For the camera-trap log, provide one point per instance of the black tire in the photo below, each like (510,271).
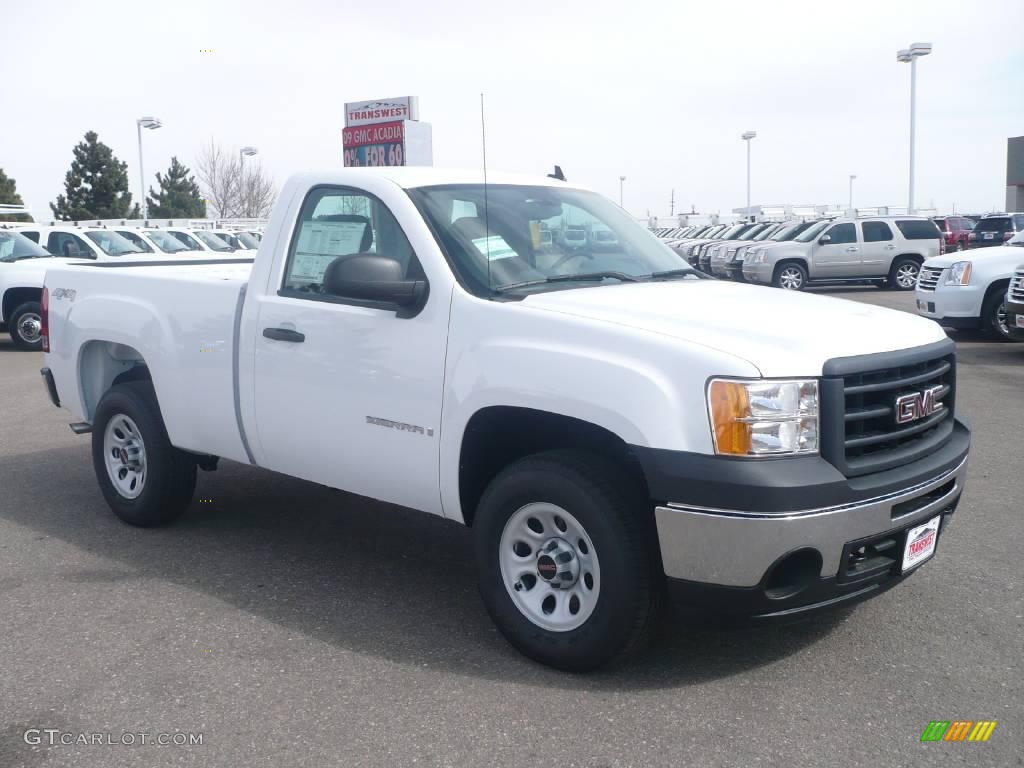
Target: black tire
(170,474)
(995,304)
(620,523)
(25,317)
(790,275)
(900,268)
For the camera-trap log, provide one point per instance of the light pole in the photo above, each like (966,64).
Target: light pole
(243,153)
(622,180)
(747,136)
(152,123)
(911,55)
(852,177)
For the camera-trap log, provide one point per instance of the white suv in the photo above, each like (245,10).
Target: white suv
(880,249)
(970,292)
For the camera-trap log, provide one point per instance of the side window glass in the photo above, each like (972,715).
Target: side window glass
(842,233)
(33,236)
(876,232)
(66,244)
(339,223)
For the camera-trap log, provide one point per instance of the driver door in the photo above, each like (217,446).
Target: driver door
(840,256)
(347,391)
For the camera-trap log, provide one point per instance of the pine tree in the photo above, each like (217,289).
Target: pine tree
(9,196)
(96,187)
(179,195)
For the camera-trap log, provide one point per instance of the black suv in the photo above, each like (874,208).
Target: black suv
(996,229)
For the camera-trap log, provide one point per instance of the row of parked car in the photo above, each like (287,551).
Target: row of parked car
(899,252)
(25,247)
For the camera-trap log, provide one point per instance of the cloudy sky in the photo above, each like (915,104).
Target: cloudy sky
(658,92)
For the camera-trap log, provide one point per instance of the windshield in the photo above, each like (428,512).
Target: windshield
(504,247)
(137,240)
(765,233)
(213,242)
(247,240)
(14,246)
(166,242)
(811,232)
(112,243)
(751,233)
(731,232)
(788,232)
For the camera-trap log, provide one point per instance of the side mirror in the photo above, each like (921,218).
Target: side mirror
(824,239)
(370,277)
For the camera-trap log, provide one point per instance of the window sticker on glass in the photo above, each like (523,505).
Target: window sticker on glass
(320,242)
(494,247)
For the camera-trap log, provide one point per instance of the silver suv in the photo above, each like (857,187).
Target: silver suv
(878,249)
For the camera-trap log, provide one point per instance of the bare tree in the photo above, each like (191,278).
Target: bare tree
(218,172)
(257,193)
(231,190)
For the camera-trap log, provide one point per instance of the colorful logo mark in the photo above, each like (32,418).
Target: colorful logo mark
(958,730)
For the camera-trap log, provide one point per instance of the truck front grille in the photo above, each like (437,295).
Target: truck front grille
(1017,287)
(860,410)
(928,278)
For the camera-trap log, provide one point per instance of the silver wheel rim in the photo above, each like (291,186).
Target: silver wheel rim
(906,275)
(30,327)
(1004,328)
(125,456)
(549,567)
(791,279)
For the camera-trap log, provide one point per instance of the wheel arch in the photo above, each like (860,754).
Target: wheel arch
(15,297)
(101,365)
(498,435)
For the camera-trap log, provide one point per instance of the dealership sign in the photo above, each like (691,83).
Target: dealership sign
(385,132)
(381,110)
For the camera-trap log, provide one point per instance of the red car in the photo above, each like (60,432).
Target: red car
(956,231)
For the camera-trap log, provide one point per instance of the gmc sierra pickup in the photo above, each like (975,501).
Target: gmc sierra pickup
(608,420)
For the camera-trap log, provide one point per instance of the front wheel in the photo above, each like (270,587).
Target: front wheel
(568,560)
(903,275)
(26,326)
(993,316)
(791,277)
(145,480)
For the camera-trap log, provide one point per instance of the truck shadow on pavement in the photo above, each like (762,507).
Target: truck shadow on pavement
(344,570)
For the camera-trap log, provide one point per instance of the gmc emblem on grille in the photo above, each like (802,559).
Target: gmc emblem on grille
(918,405)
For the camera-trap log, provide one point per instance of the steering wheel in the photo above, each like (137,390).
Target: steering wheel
(570,256)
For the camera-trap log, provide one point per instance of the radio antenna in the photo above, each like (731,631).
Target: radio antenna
(487,222)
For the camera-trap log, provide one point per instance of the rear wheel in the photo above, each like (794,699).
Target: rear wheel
(791,276)
(26,326)
(568,561)
(145,480)
(903,275)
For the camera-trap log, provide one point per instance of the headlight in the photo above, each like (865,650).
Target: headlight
(763,417)
(959,273)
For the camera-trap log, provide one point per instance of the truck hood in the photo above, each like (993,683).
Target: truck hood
(782,333)
(1013,255)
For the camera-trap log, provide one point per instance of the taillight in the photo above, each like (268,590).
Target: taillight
(1007,235)
(942,245)
(44,319)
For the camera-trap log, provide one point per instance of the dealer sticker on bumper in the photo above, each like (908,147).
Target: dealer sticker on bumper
(1020,321)
(920,543)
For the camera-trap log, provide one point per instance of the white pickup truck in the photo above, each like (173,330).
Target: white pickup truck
(609,421)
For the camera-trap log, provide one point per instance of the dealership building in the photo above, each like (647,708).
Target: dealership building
(1015,174)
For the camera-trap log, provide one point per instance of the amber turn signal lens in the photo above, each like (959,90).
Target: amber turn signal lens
(729,404)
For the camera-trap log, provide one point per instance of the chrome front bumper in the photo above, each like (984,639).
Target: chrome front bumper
(735,548)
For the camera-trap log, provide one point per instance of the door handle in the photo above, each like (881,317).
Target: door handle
(851,249)
(284,334)
(890,247)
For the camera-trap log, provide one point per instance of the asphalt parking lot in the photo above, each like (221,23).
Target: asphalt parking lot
(293,625)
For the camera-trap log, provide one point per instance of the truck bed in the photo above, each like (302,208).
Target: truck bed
(180,318)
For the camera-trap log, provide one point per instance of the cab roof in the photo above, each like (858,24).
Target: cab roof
(410,177)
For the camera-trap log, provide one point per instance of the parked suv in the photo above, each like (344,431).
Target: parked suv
(879,249)
(956,231)
(784,233)
(960,292)
(996,229)
(1015,306)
